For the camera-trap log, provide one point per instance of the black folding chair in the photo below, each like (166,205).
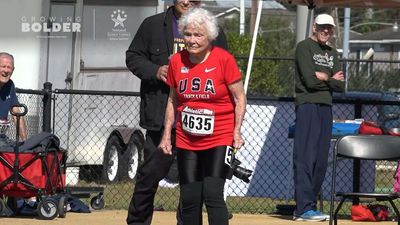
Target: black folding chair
(364,147)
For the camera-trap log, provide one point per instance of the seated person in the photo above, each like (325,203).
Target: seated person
(8,98)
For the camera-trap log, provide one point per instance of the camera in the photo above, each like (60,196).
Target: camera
(241,172)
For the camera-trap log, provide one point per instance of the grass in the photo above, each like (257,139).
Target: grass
(118,195)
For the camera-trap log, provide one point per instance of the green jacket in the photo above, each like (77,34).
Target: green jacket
(311,57)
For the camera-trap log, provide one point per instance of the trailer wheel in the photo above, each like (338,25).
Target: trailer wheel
(133,157)
(112,164)
(47,209)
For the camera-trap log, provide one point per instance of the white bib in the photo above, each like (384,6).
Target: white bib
(198,122)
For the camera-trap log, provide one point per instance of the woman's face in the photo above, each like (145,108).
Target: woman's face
(196,39)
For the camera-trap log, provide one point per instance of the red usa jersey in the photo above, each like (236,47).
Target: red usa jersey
(205,107)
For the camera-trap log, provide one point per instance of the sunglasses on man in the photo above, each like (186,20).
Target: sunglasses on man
(190,2)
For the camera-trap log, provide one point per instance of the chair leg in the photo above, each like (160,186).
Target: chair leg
(395,210)
(331,208)
(335,215)
(330,219)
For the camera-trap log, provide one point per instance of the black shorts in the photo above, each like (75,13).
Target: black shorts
(196,165)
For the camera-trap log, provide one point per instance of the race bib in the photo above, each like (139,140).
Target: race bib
(229,156)
(198,122)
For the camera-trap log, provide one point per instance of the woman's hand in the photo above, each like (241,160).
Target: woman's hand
(238,141)
(165,145)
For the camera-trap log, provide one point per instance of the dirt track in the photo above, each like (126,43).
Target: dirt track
(114,217)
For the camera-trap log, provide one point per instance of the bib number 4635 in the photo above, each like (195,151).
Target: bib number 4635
(197,122)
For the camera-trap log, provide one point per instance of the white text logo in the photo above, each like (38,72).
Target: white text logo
(118,16)
(50,24)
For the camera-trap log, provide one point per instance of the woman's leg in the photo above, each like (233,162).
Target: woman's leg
(215,171)
(190,187)
(191,196)
(202,177)
(213,192)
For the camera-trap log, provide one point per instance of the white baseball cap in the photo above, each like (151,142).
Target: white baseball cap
(324,19)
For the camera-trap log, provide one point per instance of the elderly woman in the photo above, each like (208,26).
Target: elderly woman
(208,100)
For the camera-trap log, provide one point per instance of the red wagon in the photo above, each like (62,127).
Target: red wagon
(35,169)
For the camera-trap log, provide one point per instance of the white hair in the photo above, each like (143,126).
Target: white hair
(199,17)
(7,55)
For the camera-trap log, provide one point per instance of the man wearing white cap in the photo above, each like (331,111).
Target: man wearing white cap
(318,74)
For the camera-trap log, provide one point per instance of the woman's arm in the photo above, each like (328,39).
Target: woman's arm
(165,143)
(239,97)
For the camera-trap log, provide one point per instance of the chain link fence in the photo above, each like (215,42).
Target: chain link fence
(101,132)
(373,75)
(33,99)
(271,76)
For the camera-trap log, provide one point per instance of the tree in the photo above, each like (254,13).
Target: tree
(369,17)
(276,39)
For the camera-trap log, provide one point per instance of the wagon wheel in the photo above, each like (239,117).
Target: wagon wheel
(97,202)
(2,206)
(48,209)
(62,207)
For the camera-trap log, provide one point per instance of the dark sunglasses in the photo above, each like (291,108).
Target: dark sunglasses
(325,27)
(191,2)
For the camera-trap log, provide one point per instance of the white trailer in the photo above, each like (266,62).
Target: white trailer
(80,45)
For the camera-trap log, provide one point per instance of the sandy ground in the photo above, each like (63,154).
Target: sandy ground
(117,217)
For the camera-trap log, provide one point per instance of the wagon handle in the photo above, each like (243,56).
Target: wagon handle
(21,113)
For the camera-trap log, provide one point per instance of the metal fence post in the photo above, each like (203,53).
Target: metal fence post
(47,107)
(356,162)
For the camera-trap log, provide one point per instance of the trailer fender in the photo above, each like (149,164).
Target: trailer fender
(123,133)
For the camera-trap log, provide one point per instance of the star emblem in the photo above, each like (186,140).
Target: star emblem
(118,19)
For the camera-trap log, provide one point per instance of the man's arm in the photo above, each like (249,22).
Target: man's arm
(337,81)
(309,76)
(138,57)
